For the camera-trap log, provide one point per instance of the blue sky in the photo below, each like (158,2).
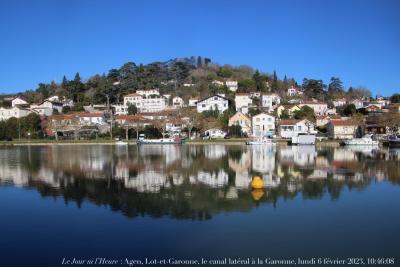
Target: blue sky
(358,41)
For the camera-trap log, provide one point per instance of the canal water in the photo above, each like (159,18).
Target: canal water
(69,203)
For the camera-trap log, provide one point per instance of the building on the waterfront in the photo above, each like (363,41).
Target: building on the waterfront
(263,125)
(242,120)
(341,129)
(292,128)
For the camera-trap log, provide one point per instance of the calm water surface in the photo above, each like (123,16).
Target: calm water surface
(194,201)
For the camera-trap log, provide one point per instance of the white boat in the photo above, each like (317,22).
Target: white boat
(261,141)
(366,140)
(142,140)
(121,143)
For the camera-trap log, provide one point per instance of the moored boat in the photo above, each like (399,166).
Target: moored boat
(142,140)
(394,141)
(366,140)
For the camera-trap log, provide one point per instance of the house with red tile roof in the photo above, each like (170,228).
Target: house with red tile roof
(341,129)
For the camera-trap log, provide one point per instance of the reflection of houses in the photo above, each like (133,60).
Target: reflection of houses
(241,164)
(214,179)
(242,180)
(299,155)
(148,181)
(271,181)
(214,151)
(318,174)
(263,158)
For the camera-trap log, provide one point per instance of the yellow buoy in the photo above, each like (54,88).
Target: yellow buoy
(257,194)
(257,182)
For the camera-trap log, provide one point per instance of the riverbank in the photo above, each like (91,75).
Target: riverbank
(232,141)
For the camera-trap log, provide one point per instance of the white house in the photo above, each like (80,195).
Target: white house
(215,102)
(18,101)
(91,118)
(292,128)
(339,102)
(63,100)
(147,93)
(17,112)
(263,125)
(149,104)
(242,102)
(215,133)
(242,120)
(193,101)
(47,107)
(319,107)
(177,102)
(42,110)
(293,91)
(232,85)
(270,101)
(217,83)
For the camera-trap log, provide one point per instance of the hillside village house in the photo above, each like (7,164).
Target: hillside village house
(177,102)
(292,128)
(152,103)
(193,101)
(241,120)
(149,92)
(17,112)
(270,101)
(63,100)
(293,91)
(359,103)
(215,102)
(232,85)
(341,129)
(319,107)
(263,125)
(91,118)
(339,102)
(290,109)
(217,83)
(47,107)
(242,102)
(18,101)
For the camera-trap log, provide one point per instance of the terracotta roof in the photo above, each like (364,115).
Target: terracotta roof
(342,123)
(132,118)
(97,114)
(289,122)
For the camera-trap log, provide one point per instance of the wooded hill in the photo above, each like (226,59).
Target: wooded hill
(172,75)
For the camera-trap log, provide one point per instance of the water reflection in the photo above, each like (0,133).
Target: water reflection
(193,181)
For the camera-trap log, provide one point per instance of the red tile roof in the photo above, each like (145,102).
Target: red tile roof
(342,123)
(289,122)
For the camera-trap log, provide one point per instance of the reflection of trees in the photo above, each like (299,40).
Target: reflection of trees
(108,175)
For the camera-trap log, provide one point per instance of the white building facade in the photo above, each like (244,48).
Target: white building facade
(215,102)
(263,125)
